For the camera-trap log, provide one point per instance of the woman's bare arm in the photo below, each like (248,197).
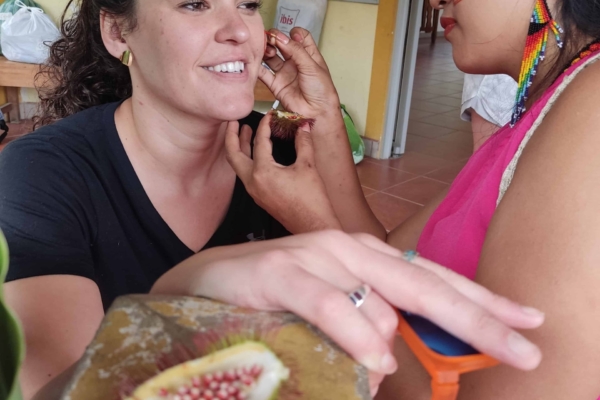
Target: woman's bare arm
(542,249)
(60,315)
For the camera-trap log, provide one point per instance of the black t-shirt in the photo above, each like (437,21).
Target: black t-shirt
(71,203)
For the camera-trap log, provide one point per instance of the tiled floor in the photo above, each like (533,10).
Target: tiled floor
(437,147)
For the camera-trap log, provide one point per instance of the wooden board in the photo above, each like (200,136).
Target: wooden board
(14,74)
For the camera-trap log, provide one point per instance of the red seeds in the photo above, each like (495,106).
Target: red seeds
(242,396)
(219,376)
(196,382)
(208,395)
(207,379)
(195,393)
(186,397)
(232,390)
(247,380)
(183,390)
(256,370)
(214,385)
(222,395)
(163,392)
(230,376)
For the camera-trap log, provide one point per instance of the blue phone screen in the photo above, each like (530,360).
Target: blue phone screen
(436,338)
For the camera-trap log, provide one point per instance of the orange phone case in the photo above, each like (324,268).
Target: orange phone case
(444,371)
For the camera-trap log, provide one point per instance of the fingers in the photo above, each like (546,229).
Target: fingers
(504,309)
(245,138)
(330,310)
(328,268)
(304,148)
(304,37)
(294,50)
(239,161)
(507,311)
(275,63)
(263,147)
(420,291)
(376,244)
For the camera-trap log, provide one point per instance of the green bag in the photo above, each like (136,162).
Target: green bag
(9,8)
(12,344)
(356,142)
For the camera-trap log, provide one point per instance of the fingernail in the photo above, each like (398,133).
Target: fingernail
(385,365)
(388,364)
(534,312)
(282,38)
(521,346)
(374,390)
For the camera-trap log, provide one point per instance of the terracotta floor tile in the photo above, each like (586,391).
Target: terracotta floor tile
(447,151)
(415,163)
(419,190)
(444,76)
(418,95)
(416,143)
(379,177)
(367,191)
(447,101)
(449,122)
(426,130)
(458,137)
(437,90)
(447,174)
(390,210)
(417,115)
(427,106)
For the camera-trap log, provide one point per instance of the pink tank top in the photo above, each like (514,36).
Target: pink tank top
(455,233)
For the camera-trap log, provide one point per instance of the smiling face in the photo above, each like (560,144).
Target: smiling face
(487,36)
(198,57)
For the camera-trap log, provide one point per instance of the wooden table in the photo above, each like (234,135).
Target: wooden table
(14,75)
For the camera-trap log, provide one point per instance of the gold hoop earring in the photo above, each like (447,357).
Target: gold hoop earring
(127,58)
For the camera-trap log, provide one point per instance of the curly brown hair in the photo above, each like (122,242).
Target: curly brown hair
(80,73)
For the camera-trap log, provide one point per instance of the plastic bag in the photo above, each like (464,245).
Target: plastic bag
(10,8)
(356,143)
(307,14)
(27,35)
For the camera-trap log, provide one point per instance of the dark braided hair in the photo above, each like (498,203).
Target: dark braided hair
(80,72)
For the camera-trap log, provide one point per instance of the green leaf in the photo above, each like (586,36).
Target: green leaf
(12,344)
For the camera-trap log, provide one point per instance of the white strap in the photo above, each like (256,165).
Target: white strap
(509,173)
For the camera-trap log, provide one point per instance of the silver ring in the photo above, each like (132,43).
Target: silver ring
(359,295)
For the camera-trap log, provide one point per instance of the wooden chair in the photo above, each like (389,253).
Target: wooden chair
(429,20)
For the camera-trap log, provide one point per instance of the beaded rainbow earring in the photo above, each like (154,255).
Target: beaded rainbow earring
(535,51)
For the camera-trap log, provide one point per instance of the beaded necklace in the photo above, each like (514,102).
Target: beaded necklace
(587,50)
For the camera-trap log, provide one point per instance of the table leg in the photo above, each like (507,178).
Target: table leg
(12,96)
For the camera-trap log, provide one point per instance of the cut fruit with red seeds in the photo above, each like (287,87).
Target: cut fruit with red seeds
(248,371)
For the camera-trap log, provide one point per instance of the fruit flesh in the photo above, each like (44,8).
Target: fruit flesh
(249,371)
